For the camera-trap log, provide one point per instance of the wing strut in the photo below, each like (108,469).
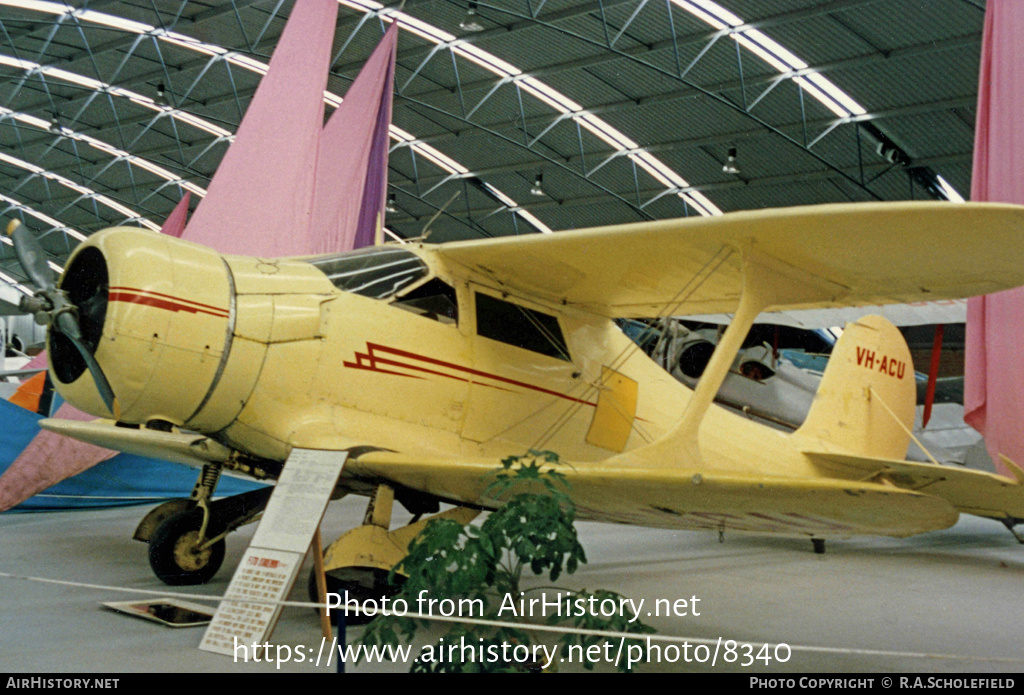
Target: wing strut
(754,297)
(766,282)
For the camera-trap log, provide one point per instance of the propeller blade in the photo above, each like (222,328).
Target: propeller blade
(32,256)
(68,325)
(19,373)
(54,304)
(10,309)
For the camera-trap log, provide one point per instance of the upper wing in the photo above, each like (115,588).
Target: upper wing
(916,314)
(841,255)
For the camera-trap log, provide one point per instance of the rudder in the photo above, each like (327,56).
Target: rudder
(866,402)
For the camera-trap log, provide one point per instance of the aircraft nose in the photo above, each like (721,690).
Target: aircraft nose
(154,318)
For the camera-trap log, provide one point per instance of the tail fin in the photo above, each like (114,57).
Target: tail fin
(868,389)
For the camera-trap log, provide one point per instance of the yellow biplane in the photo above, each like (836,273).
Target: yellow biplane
(428,364)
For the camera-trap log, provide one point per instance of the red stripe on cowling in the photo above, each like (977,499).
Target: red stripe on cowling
(172,298)
(166,304)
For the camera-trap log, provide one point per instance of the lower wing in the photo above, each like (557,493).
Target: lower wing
(664,498)
(656,497)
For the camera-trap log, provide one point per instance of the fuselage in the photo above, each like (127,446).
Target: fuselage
(391,349)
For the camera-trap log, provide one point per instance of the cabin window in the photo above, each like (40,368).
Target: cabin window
(434,300)
(377,272)
(524,328)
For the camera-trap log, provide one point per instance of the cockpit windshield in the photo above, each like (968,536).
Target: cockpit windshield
(372,272)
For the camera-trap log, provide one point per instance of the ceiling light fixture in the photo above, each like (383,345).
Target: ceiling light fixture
(161,96)
(730,166)
(390,207)
(471,22)
(538,186)
(462,49)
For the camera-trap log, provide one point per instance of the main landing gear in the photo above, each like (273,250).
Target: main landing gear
(360,561)
(180,551)
(186,536)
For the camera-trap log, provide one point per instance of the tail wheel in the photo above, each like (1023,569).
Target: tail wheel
(176,551)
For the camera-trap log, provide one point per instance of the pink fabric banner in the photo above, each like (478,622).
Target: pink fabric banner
(40,361)
(174,225)
(259,200)
(351,172)
(47,460)
(994,381)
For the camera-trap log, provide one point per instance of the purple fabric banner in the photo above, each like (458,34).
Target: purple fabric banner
(351,172)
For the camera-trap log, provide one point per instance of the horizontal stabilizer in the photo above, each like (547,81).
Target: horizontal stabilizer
(969,491)
(688,499)
(179,447)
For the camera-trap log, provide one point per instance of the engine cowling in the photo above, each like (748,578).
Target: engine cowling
(157,314)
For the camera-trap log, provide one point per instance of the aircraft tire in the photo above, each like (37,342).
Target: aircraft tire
(173,554)
(363,584)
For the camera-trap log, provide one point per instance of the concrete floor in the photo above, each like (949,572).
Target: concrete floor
(942,602)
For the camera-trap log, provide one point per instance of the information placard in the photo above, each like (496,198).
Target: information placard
(274,557)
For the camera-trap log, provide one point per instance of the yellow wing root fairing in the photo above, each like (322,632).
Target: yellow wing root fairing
(179,447)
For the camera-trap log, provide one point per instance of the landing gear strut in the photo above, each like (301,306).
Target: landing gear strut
(181,551)
(186,536)
(1010,525)
(360,562)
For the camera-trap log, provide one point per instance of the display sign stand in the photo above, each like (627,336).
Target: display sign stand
(267,572)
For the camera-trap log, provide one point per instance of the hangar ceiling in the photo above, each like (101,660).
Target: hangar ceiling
(621,110)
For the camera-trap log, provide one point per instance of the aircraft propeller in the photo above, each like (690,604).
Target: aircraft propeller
(51,306)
